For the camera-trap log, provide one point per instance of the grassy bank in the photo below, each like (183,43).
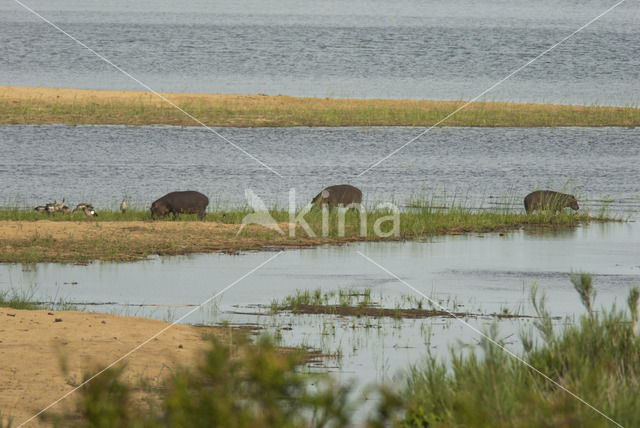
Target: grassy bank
(28,105)
(29,237)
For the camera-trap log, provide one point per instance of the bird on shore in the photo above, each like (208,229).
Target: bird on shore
(89,212)
(59,207)
(123,206)
(51,208)
(82,205)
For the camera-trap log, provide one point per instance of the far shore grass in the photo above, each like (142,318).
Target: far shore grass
(32,105)
(29,237)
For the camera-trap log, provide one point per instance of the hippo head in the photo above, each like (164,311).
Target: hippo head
(158,209)
(321,198)
(572,203)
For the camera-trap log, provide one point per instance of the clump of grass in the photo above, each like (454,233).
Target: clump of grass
(582,283)
(305,299)
(597,359)
(23,298)
(18,299)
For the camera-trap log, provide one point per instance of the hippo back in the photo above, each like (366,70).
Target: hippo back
(341,194)
(548,200)
(187,202)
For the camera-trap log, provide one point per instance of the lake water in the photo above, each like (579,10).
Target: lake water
(478,166)
(366,48)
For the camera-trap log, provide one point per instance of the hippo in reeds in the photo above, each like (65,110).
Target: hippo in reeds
(548,200)
(187,202)
(341,194)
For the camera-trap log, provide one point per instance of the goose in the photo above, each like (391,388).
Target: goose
(59,207)
(89,212)
(82,205)
(63,208)
(123,206)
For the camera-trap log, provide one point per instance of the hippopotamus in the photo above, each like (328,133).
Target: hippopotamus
(543,200)
(187,202)
(341,194)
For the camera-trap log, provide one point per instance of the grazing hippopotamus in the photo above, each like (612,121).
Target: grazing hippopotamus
(188,202)
(341,194)
(547,200)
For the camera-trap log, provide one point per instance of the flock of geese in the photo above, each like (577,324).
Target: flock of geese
(85,207)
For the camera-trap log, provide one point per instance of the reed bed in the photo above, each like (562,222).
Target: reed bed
(28,105)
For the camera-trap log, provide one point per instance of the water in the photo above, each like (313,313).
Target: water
(366,48)
(101,163)
(480,274)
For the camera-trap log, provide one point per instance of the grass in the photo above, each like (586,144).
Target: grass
(26,105)
(114,236)
(359,303)
(18,299)
(22,298)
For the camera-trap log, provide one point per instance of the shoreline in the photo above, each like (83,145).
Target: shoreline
(85,241)
(34,105)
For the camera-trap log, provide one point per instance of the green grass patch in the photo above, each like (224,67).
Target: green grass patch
(23,298)
(18,299)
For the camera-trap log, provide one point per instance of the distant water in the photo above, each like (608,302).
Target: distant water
(446,49)
(488,166)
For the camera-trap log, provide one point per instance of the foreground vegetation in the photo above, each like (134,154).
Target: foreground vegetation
(245,384)
(26,105)
(30,237)
(598,359)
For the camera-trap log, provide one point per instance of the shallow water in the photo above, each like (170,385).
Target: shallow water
(480,274)
(366,48)
(472,166)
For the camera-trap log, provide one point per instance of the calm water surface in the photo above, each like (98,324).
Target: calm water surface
(101,163)
(365,48)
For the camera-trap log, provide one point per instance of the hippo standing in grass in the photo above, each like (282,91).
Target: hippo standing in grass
(188,202)
(547,200)
(341,194)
